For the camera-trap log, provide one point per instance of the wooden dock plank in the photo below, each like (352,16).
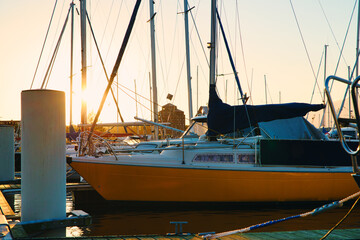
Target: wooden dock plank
(303,234)
(5,207)
(288,235)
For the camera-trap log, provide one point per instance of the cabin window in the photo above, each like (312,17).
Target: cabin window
(214,158)
(146,146)
(246,158)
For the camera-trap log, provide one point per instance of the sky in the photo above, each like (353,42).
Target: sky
(279,41)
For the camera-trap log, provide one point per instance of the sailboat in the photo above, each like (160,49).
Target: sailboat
(280,156)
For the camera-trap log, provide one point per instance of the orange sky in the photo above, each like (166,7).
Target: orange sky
(271,42)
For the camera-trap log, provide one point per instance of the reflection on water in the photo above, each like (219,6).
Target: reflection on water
(111,218)
(114,218)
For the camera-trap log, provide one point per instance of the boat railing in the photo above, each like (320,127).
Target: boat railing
(354,85)
(236,142)
(96,141)
(250,134)
(169,148)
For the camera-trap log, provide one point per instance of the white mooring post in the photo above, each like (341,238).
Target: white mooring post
(7,153)
(43,166)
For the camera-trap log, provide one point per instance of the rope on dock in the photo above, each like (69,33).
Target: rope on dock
(336,225)
(310,213)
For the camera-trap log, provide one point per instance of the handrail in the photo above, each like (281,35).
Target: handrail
(179,147)
(94,136)
(353,85)
(252,135)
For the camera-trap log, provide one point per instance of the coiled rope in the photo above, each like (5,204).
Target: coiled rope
(310,213)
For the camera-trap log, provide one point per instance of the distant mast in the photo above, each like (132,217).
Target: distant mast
(186,10)
(83,60)
(153,67)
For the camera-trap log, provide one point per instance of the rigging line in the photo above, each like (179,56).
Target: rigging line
(268,90)
(230,57)
(42,49)
(173,48)
(55,51)
(161,57)
(346,34)
(121,89)
(161,65)
(113,33)
(106,24)
(242,51)
(337,65)
(337,224)
(116,67)
(348,86)
(107,20)
(104,68)
(307,53)
(332,32)
(177,84)
(317,75)
(163,34)
(119,85)
(150,110)
(56,31)
(198,34)
(52,66)
(201,68)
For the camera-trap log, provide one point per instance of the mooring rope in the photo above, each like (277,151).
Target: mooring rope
(310,213)
(337,224)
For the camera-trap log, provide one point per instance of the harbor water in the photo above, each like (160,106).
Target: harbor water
(123,218)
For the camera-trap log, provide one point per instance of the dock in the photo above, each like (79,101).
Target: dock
(5,208)
(19,231)
(288,235)
(15,187)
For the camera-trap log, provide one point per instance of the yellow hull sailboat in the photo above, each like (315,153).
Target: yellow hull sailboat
(273,155)
(195,183)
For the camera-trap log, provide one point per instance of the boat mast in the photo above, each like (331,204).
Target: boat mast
(153,67)
(212,44)
(186,11)
(325,63)
(265,90)
(83,60)
(71,61)
(357,42)
(357,49)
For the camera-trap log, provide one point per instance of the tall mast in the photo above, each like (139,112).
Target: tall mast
(83,60)
(357,41)
(153,66)
(212,44)
(186,11)
(323,118)
(71,61)
(325,63)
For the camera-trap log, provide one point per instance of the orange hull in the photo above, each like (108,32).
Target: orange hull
(139,183)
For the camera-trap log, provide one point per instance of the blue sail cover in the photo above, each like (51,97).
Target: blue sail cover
(223,118)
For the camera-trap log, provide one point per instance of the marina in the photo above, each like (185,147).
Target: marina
(119,220)
(231,169)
